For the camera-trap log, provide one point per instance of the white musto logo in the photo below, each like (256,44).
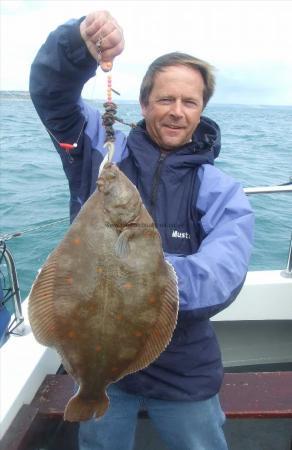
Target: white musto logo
(177,234)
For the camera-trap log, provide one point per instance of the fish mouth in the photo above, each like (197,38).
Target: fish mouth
(109,173)
(109,165)
(100,183)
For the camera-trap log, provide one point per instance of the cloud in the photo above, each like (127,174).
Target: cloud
(258,83)
(248,41)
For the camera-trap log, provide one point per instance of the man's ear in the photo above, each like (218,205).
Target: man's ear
(143,109)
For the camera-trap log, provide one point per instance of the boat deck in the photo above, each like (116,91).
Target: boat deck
(240,435)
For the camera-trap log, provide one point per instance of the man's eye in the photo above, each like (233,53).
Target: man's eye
(191,103)
(164,101)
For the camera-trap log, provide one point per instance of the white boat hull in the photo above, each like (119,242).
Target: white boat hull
(256,329)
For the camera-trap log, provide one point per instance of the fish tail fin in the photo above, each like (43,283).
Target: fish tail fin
(79,409)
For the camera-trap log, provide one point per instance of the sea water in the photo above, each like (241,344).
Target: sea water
(256,150)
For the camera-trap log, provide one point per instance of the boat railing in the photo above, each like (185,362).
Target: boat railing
(269,189)
(12,292)
(282,188)
(288,271)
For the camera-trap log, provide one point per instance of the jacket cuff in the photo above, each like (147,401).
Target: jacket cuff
(77,49)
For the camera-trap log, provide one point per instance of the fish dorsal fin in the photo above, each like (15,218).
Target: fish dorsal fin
(164,327)
(41,304)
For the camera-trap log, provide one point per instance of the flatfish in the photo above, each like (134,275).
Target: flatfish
(105,298)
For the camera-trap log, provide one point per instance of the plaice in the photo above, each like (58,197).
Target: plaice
(105,298)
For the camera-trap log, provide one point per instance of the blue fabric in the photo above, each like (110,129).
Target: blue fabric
(4,322)
(203,216)
(181,425)
(190,368)
(4,316)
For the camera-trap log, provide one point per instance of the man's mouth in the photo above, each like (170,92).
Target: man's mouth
(173,127)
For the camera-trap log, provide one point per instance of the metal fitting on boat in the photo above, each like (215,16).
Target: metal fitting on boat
(13,292)
(287,273)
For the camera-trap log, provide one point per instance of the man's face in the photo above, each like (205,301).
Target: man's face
(175,106)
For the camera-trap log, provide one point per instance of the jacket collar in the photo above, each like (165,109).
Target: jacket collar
(203,149)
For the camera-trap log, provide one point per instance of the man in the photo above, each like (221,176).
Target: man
(203,216)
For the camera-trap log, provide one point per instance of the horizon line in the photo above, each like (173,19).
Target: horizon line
(21,92)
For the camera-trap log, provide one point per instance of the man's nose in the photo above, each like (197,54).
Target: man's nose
(177,109)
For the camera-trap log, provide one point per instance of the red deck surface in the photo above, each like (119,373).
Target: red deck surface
(243,395)
(260,394)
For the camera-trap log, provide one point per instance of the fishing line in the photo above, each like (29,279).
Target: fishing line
(108,118)
(65,145)
(7,237)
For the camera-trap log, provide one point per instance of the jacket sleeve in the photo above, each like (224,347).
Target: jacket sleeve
(58,73)
(60,69)
(210,279)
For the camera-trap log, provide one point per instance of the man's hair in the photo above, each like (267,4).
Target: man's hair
(178,59)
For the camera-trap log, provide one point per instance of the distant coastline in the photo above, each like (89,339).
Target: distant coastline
(15,94)
(25,95)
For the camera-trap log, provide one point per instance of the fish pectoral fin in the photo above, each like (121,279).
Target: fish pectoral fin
(132,230)
(122,243)
(79,409)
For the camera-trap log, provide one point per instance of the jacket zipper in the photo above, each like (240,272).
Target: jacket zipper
(155,184)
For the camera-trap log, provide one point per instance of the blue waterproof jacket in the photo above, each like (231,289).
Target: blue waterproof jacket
(204,218)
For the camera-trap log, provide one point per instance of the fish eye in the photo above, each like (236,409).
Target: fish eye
(111,175)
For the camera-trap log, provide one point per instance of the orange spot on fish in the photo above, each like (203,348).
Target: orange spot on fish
(119,317)
(127,285)
(76,241)
(138,334)
(92,307)
(71,334)
(69,280)
(99,269)
(97,348)
(114,369)
(152,300)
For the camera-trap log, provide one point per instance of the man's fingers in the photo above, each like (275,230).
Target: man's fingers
(109,40)
(104,34)
(94,28)
(103,37)
(95,21)
(106,58)
(109,53)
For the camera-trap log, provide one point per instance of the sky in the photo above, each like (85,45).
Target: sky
(248,41)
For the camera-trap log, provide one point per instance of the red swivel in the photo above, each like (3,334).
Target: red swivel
(66,146)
